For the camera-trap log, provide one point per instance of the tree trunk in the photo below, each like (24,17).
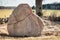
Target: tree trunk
(39,7)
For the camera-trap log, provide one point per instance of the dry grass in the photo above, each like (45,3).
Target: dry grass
(31,38)
(49,12)
(5,12)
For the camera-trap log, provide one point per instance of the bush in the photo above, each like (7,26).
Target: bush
(58,18)
(33,7)
(3,20)
(53,17)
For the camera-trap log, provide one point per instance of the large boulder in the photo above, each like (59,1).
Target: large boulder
(22,22)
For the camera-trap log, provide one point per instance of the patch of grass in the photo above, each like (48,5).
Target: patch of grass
(5,12)
(50,12)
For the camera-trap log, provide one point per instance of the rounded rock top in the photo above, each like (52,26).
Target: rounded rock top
(22,22)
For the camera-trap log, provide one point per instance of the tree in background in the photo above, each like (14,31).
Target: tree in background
(33,7)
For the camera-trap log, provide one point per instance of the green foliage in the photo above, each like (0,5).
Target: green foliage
(33,7)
